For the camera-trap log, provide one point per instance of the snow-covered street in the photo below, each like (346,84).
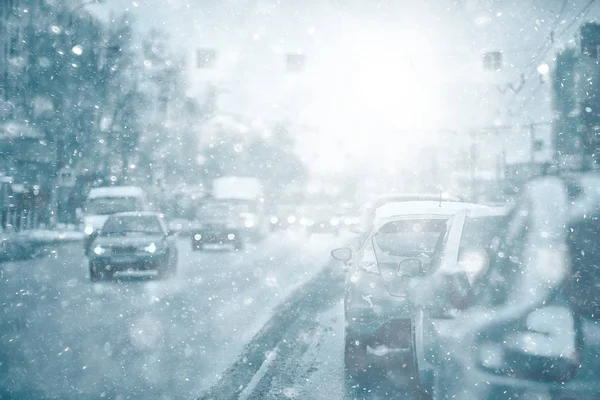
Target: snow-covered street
(64,337)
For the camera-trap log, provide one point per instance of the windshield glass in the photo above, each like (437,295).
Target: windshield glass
(132,224)
(111,205)
(408,238)
(479,233)
(272,139)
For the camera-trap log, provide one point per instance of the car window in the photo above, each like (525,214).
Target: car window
(408,238)
(132,224)
(111,205)
(479,232)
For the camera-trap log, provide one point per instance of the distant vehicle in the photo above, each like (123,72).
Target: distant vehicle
(217,223)
(285,216)
(245,197)
(325,220)
(391,266)
(104,201)
(133,241)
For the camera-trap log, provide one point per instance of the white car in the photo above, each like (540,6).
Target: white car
(104,201)
(389,273)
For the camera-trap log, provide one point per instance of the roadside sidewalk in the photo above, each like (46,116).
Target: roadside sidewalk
(31,243)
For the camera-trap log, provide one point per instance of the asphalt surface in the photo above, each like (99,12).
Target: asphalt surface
(263,323)
(139,337)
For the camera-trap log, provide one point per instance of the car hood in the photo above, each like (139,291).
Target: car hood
(95,221)
(128,240)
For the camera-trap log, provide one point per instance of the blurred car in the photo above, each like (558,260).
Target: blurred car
(387,274)
(133,241)
(284,216)
(217,224)
(322,219)
(104,201)
(531,330)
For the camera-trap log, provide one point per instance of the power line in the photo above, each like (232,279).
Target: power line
(582,13)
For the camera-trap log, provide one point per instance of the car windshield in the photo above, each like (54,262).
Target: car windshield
(406,238)
(479,232)
(192,195)
(111,205)
(146,224)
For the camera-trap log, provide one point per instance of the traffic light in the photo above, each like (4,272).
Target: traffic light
(492,61)
(206,58)
(294,62)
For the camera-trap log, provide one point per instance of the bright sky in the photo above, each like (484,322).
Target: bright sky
(372,67)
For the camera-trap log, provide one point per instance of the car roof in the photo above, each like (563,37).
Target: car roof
(401,197)
(138,214)
(492,211)
(115,191)
(408,208)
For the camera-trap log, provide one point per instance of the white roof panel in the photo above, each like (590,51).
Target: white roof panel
(408,208)
(116,191)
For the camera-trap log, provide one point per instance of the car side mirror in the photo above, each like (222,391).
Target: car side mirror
(411,267)
(343,254)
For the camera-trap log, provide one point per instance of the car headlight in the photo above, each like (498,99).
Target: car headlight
(291,219)
(334,221)
(88,230)
(274,220)
(99,250)
(249,223)
(153,248)
(306,222)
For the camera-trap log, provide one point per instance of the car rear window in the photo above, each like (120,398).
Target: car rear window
(480,231)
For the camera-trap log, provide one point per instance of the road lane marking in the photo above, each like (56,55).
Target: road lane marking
(245,394)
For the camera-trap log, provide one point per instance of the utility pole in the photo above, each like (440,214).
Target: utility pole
(473,165)
(532,148)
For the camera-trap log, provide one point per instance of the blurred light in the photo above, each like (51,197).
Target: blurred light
(231,236)
(113,178)
(98,250)
(543,69)
(77,50)
(197,236)
(88,230)
(334,221)
(151,248)
(249,223)
(291,219)
(274,220)
(55,29)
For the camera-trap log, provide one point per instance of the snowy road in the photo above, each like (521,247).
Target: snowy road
(64,337)
(299,354)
